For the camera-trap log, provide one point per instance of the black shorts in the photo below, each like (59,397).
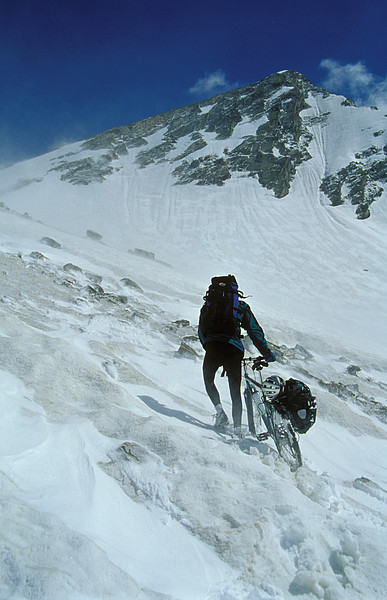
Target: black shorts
(223,354)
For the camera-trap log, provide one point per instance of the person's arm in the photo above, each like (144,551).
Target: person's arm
(256,334)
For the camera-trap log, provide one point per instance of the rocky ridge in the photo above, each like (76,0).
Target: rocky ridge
(272,154)
(360,181)
(260,132)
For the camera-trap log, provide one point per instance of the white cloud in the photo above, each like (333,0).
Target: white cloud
(211,83)
(355,81)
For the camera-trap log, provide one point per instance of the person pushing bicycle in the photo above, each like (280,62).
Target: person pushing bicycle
(221,318)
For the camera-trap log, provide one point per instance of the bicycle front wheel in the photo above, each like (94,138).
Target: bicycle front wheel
(286,442)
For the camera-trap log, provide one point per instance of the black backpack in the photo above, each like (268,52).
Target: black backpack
(300,404)
(219,313)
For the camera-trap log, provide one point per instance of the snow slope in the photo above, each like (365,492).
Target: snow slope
(303,260)
(113,482)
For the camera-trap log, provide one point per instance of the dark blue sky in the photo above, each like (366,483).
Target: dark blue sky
(73,69)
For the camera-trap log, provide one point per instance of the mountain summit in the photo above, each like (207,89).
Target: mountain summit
(266,131)
(259,131)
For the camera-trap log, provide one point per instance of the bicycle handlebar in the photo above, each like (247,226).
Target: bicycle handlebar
(258,363)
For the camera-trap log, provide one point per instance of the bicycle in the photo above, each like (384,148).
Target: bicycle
(274,417)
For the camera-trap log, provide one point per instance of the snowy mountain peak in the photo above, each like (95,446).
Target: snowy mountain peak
(265,131)
(255,131)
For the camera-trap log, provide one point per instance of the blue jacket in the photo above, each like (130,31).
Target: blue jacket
(248,322)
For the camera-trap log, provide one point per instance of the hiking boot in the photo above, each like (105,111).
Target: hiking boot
(221,419)
(238,433)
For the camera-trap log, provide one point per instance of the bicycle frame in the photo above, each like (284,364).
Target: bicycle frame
(252,387)
(277,426)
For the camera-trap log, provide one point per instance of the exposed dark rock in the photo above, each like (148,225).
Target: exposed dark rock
(378,170)
(223,118)
(316,120)
(156,153)
(371,488)
(38,256)
(207,170)
(129,283)
(353,370)
(363,211)
(144,253)
(86,170)
(361,179)
(116,298)
(191,339)
(352,393)
(93,277)
(331,186)
(130,451)
(72,268)
(368,152)
(24,182)
(50,242)
(183,333)
(93,235)
(117,140)
(94,290)
(186,351)
(196,145)
(68,283)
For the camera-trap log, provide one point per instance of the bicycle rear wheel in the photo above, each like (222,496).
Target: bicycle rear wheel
(286,443)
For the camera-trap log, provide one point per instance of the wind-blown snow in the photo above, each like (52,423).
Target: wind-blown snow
(113,481)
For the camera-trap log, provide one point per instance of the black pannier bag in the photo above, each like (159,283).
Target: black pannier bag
(300,404)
